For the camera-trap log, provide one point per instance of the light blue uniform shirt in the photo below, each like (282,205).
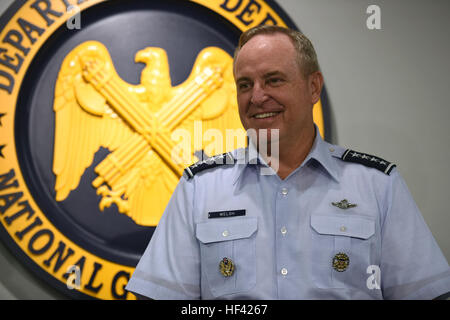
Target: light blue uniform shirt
(284,245)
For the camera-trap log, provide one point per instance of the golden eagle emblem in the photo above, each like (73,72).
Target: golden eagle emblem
(95,108)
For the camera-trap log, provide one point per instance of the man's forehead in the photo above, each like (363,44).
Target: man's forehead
(267,74)
(271,53)
(269,41)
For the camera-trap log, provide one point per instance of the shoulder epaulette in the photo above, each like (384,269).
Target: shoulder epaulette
(368,160)
(211,162)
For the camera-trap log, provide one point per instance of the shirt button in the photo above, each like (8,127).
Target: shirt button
(283,230)
(284,191)
(225,233)
(284,271)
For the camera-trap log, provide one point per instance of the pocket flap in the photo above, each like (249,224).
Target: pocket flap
(226,229)
(351,226)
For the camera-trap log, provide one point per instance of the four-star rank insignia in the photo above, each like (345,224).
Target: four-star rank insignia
(368,160)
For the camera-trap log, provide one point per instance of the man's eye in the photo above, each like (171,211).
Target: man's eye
(274,80)
(243,86)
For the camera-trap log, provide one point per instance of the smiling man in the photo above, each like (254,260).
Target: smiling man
(328,223)
(274,91)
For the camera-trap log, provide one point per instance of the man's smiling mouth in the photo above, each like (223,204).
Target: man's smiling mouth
(265,115)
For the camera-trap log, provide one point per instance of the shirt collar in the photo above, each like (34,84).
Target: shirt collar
(321,151)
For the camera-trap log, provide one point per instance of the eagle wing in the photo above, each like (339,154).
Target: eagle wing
(84,121)
(220,111)
(217,111)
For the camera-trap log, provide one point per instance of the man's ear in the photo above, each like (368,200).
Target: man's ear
(315,85)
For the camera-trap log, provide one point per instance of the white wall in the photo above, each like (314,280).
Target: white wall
(389,93)
(389,89)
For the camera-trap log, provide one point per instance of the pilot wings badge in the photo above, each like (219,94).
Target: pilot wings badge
(95,108)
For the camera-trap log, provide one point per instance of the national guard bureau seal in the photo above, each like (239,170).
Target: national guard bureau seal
(341,262)
(88,160)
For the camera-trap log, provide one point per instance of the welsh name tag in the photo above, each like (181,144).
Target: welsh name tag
(226,214)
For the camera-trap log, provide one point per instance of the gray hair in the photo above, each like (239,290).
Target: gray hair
(306,55)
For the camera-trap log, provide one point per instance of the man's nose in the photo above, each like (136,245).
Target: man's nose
(259,95)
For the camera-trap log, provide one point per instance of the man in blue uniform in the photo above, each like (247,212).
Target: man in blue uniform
(329,223)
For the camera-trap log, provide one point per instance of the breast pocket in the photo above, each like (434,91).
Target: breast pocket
(233,239)
(341,250)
